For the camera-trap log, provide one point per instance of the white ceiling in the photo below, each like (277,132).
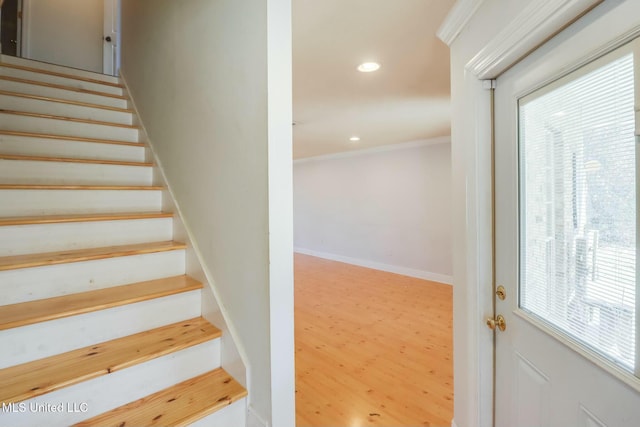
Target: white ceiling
(408,99)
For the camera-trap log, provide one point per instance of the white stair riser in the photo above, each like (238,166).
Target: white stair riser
(13,171)
(44,339)
(232,415)
(110,391)
(56,80)
(57,68)
(29,284)
(40,238)
(55,173)
(66,128)
(59,202)
(31,89)
(28,146)
(30,105)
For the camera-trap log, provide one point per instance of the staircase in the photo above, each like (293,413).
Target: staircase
(99,324)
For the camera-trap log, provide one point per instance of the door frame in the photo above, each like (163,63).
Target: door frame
(25,47)
(20,26)
(111,50)
(474,284)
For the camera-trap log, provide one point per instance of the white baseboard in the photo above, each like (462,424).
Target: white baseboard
(453,423)
(419,274)
(255,420)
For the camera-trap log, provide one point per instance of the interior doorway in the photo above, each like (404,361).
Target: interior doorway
(11,27)
(83,34)
(372,211)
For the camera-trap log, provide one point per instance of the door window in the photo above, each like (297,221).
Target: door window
(577,233)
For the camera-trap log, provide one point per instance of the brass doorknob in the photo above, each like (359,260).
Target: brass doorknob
(498,322)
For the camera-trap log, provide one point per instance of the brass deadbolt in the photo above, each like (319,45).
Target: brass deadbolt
(498,322)
(501,293)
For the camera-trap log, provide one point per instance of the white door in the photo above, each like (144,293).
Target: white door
(566,224)
(111,40)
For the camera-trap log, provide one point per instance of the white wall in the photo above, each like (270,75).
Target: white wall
(65,32)
(212,83)
(389,210)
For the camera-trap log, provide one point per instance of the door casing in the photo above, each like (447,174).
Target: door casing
(473,304)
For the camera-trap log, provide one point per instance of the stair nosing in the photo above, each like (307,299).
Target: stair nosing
(61,75)
(171,392)
(100,300)
(62,87)
(68,119)
(70,138)
(96,73)
(17,262)
(25,158)
(205,336)
(66,101)
(61,219)
(80,187)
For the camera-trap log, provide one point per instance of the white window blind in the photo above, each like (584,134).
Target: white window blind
(578,207)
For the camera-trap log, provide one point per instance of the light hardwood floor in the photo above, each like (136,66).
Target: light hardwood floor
(372,348)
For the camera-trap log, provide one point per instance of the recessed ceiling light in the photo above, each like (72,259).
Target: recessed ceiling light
(354,139)
(368,67)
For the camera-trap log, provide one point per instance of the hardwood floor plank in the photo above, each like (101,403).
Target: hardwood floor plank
(78,187)
(56,74)
(27,313)
(56,86)
(42,376)
(78,255)
(58,219)
(65,101)
(67,119)
(16,157)
(69,138)
(175,406)
(372,348)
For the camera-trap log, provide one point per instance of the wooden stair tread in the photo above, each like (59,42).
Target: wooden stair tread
(179,405)
(78,255)
(67,119)
(57,219)
(65,101)
(72,160)
(78,187)
(69,138)
(30,312)
(56,86)
(63,75)
(36,378)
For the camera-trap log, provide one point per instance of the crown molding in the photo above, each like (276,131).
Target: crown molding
(378,149)
(536,23)
(458,16)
